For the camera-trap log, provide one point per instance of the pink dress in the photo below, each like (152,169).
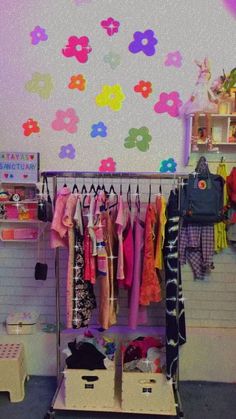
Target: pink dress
(128,246)
(119,228)
(137,313)
(58,229)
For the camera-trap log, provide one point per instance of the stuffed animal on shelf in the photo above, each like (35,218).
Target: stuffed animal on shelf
(202,100)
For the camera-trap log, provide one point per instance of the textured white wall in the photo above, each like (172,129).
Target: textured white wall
(194,28)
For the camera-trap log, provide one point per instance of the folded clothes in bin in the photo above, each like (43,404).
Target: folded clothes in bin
(144,354)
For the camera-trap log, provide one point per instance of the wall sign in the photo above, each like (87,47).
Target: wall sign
(19,167)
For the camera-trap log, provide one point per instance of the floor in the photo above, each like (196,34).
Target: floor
(201,400)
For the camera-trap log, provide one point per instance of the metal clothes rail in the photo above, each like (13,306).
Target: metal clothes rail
(55,175)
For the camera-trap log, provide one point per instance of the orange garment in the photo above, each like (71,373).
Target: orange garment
(161,222)
(150,290)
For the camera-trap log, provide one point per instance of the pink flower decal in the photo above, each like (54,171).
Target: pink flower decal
(66,120)
(107,165)
(231,6)
(78,48)
(168,102)
(111,26)
(173,59)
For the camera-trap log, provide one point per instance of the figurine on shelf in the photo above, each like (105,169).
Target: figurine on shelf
(202,100)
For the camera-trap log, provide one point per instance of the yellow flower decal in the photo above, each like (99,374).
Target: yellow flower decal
(111,96)
(41,84)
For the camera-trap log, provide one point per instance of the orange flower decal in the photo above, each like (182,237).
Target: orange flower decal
(30,127)
(143,87)
(77,82)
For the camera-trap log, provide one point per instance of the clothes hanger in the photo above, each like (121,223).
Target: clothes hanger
(129,202)
(75,189)
(150,193)
(137,199)
(65,185)
(121,184)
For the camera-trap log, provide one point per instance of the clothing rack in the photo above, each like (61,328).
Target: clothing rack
(55,175)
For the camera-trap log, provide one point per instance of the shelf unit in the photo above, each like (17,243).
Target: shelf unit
(58,402)
(222,125)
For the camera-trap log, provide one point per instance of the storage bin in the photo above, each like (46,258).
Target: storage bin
(25,234)
(147,392)
(89,389)
(21,323)
(7,234)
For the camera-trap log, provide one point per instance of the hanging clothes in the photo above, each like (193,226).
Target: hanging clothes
(58,229)
(119,228)
(150,290)
(137,313)
(161,221)
(83,296)
(197,248)
(220,236)
(175,315)
(128,250)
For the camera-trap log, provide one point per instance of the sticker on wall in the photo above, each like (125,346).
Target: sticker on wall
(20,166)
(107,165)
(110,25)
(143,42)
(66,120)
(230,5)
(38,35)
(78,48)
(111,96)
(143,87)
(169,103)
(67,152)
(78,82)
(138,137)
(41,84)
(30,127)
(168,165)
(173,59)
(98,130)
(112,59)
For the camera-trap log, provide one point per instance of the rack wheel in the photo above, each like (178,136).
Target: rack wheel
(50,415)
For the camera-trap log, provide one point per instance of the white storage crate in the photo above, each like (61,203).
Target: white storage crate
(22,323)
(89,389)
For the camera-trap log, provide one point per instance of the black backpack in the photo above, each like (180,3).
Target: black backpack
(202,198)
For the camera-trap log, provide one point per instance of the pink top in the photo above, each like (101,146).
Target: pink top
(58,229)
(128,247)
(119,229)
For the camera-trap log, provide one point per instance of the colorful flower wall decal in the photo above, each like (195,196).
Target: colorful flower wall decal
(77,82)
(143,87)
(78,48)
(67,151)
(30,127)
(111,96)
(231,6)
(41,84)
(169,103)
(143,42)
(99,130)
(173,59)
(138,137)
(66,120)
(113,59)
(168,165)
(110,25)
(107,165)
(37,35)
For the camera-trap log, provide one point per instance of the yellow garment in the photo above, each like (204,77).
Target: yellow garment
(161,214)
(220,228)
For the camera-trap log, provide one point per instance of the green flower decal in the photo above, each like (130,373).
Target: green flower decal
(41,84)
(138,137)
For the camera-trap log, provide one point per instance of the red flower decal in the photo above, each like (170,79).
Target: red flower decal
(143,87)
(30,127)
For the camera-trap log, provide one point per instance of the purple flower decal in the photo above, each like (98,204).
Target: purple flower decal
(143,41)
(99,130)
(66,120)
(67,151)
(173,59)
(111,25)
(37,35)
(168,102)
(78,48)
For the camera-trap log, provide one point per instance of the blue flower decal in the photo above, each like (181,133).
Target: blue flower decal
(168,165)
(99,130)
